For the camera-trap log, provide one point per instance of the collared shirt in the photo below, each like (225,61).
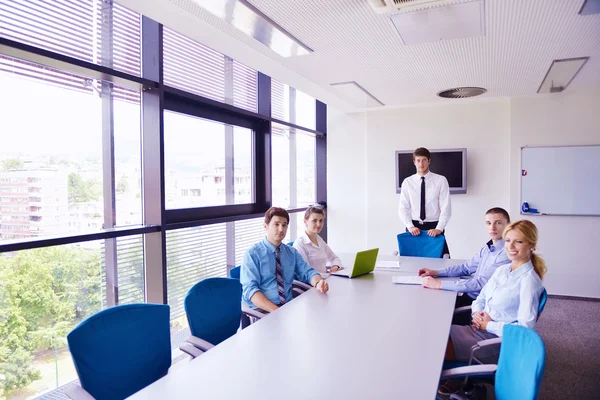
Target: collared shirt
(258,271)
(437,200)
(511,297)
(483,264)
(316,255)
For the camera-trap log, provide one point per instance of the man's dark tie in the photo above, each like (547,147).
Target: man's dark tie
(422,216)
(279,277)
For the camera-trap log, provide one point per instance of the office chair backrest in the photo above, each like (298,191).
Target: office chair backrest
(543,299)
(421,245)
(122,349)
(290,243)
(521,364)
(235,272)
(214,308)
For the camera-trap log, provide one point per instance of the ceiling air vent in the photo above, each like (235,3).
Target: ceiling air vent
(393,6)
(462,92)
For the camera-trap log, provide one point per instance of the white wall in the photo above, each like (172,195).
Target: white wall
(569,244)
(363,204)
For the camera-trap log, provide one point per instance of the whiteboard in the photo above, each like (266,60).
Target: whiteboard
(561,180)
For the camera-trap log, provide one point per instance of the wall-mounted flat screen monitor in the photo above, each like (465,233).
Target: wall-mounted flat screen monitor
(452,163)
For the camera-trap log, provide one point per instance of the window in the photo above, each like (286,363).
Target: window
(195,68)
(294,162)
(46,292)
(293,106)
(56,161)
(210,160)
(192,254)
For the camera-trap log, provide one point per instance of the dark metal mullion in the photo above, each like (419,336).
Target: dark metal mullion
(321,155)
(262,147)
(108,157)
(71,64)
(153,186)
(298,127)
(229,167)
(211,221)
(49,241)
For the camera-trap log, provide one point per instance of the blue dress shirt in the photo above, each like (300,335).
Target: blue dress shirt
(483,264)
(258,271)
(511,297)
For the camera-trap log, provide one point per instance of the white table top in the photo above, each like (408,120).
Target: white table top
(366,338)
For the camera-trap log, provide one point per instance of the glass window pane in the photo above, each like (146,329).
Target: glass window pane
(192,255)
(52,161)
(46,292)
(247,232)
(306,159)
(280,166)
(306,110)
(207,163)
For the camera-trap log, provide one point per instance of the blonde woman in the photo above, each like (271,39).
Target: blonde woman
(511,296)
(312,247)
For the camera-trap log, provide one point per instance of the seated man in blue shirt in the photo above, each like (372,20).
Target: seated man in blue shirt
(481,267)
(269,267)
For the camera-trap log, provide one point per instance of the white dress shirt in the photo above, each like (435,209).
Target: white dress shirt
(437,200)
(510,297)
(317,256)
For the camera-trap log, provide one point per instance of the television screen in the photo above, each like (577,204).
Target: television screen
(452,163)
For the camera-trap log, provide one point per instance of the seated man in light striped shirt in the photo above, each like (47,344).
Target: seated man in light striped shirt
(481,267)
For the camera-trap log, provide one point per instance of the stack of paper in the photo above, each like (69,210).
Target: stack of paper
(387,265)
(407,279)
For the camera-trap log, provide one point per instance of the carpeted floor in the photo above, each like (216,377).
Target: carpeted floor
(571,333)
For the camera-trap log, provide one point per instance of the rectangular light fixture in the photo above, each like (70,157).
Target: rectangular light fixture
(355,94)
(560,74)
(590,7)
(455,21)
(248,19)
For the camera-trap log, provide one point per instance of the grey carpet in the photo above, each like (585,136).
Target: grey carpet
(571,333)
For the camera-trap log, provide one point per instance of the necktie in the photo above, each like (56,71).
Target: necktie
(422,216)
(279,277)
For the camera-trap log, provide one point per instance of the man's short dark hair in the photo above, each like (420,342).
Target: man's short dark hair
(422,152)
(276,212)
(499,210)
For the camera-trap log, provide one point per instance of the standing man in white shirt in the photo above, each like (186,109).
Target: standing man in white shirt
(425,199)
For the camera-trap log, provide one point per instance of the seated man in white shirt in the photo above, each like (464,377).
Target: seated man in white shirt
(425,199)
(312,247)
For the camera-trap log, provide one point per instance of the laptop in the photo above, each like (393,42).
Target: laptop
(363,264)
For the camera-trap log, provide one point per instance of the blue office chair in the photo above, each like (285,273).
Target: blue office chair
(213,309)
(421,245)
(120,350)
(290,243)
(235,272)
(520,368)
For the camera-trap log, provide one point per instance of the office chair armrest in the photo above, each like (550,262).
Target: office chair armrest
(459,310)
(481,344)
(199,343)
(301,285)
(190,349)
(252,313)
(76,392)
(470,370)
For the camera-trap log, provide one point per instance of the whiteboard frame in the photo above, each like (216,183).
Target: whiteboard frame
(521,181)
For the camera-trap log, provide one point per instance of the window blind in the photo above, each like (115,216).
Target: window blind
(195,68)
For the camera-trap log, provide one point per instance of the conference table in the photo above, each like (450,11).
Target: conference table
(365,338)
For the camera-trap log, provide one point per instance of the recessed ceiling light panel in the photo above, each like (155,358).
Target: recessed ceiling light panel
(355,94)
(560,74)
(253,22)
